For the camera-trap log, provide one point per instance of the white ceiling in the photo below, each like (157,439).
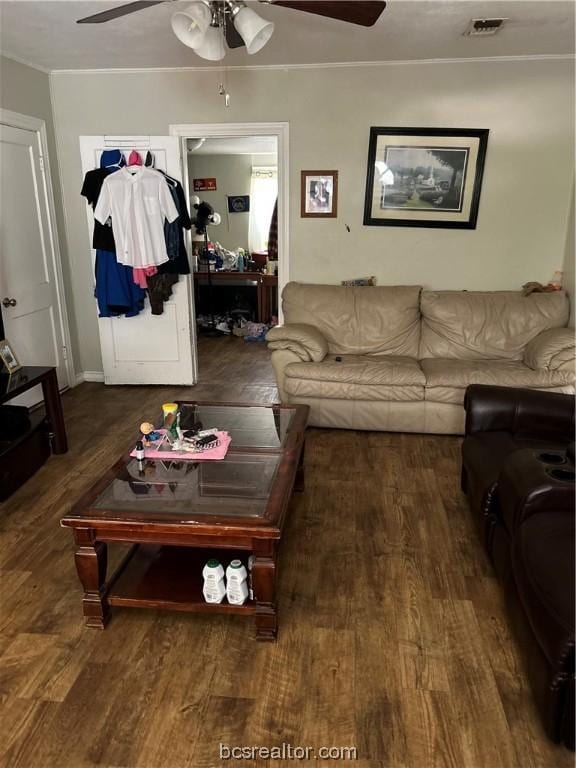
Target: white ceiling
(237,145)
(44,33)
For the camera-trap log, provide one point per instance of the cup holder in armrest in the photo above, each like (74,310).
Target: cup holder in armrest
(549,457)
(565,475)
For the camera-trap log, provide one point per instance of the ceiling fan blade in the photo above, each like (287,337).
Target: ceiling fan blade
(233,38)
(121,10)
(363,12)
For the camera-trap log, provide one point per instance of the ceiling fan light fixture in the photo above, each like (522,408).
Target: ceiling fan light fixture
(212,46)
(191,24)
(254,30)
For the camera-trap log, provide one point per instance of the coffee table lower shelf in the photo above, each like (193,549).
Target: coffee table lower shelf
(169,578)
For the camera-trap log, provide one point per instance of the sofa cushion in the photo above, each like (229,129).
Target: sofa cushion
(375,320)
(357,377)
(447,379)
(543,565)
(486,325)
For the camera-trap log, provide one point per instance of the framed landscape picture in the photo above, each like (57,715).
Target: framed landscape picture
(319,194)
(424,177)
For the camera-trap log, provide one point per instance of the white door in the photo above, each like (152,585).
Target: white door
(28,285)
(146,349)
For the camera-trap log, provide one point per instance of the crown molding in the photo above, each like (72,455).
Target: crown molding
(327,65)
(19,60)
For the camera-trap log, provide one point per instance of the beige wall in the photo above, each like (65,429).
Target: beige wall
(27,91)
(527,105)
(233,174)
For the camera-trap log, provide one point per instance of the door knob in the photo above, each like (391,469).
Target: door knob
(9,302)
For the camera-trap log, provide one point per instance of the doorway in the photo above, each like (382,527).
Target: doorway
(236,261)
(241,172)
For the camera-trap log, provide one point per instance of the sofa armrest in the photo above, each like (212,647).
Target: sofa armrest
(552,350)
(519,411)
(305,341)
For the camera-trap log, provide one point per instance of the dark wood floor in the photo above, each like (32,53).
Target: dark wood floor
(393,636)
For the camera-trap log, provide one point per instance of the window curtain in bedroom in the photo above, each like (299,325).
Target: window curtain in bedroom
(263,194)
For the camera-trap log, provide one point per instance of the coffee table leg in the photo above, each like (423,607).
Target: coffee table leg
(91,561)
(264,584)
(299,481)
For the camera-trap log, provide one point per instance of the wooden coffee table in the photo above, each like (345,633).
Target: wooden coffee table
(176,515)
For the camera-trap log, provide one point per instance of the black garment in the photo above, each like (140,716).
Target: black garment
(160,290)
(177,263)
(103,238)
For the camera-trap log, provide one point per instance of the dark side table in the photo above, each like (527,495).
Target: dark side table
(21,457)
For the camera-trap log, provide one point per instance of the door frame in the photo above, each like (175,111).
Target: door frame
(38,126)
(230,130)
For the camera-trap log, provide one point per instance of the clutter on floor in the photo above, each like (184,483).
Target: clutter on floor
(228,325)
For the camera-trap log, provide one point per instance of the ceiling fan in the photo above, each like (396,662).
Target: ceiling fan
(205,24)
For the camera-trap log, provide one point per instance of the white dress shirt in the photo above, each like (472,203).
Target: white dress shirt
(138,200)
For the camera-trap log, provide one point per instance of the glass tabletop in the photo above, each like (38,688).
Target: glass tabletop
(248,426)
(237,486)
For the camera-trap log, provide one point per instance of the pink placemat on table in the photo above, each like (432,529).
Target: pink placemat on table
(215,454)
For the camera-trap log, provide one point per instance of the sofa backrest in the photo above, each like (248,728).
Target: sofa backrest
(474,325)
(371,320)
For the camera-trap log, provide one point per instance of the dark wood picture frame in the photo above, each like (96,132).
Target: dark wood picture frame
(481,135)
(321,214)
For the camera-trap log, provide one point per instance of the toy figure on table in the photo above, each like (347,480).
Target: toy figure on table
(149,434)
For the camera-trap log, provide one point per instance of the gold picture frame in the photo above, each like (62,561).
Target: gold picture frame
(8,357)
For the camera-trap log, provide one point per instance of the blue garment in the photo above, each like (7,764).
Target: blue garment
(112,157)
(116,292)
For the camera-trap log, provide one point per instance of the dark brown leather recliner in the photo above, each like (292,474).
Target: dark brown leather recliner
(518,473)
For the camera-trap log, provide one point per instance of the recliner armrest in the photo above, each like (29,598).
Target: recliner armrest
(518,411)
(526,488)
(304,340)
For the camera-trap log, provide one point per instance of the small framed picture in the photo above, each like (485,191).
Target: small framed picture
(319,194)
(8,357)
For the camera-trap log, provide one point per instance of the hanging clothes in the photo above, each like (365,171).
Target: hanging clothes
(135,158)
(111,160)
(138,200)
(177,263)
(160,290)
(115,291)
(141,274)
(273,234)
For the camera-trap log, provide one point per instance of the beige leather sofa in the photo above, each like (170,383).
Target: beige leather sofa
(400,358)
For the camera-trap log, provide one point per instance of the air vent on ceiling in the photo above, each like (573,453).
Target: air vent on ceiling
(484,27)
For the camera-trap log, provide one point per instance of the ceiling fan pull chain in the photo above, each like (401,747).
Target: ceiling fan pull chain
(223,92)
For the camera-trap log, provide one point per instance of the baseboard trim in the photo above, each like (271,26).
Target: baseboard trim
(83,376)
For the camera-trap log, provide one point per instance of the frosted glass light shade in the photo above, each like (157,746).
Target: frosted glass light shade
(253,29)
(190,24)
(212,45)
